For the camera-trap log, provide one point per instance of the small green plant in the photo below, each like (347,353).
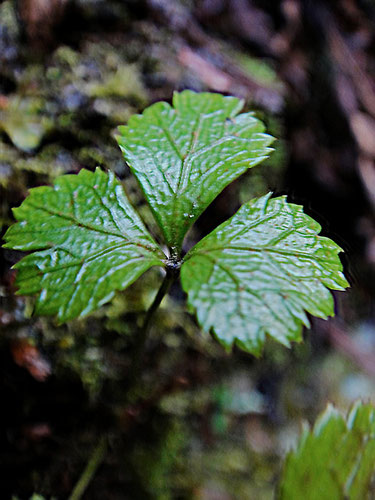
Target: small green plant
(257,274)
(334,460)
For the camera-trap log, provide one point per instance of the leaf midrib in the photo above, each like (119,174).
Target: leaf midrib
(186,160)
(91,228)
(250,249)
(81,262)
(238,285)
(183,158)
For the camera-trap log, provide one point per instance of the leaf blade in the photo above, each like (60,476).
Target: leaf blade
(258,272)
(87,242)
(184,156)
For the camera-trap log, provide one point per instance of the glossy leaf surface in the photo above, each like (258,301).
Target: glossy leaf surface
(89,240)
(335,460)
(184,156)
(258,273)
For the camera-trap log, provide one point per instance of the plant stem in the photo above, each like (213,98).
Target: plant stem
(163,290)
(143,333)
(94,462)
(100,450)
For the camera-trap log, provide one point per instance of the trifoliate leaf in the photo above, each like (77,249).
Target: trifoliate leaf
(89,240)
(335,460)
(259,272)
(184,156)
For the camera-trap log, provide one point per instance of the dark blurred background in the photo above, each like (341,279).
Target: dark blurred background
(204,424)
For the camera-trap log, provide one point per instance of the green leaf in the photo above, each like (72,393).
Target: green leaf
(258,272)
(335,460)
(90,243)
(184,156)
